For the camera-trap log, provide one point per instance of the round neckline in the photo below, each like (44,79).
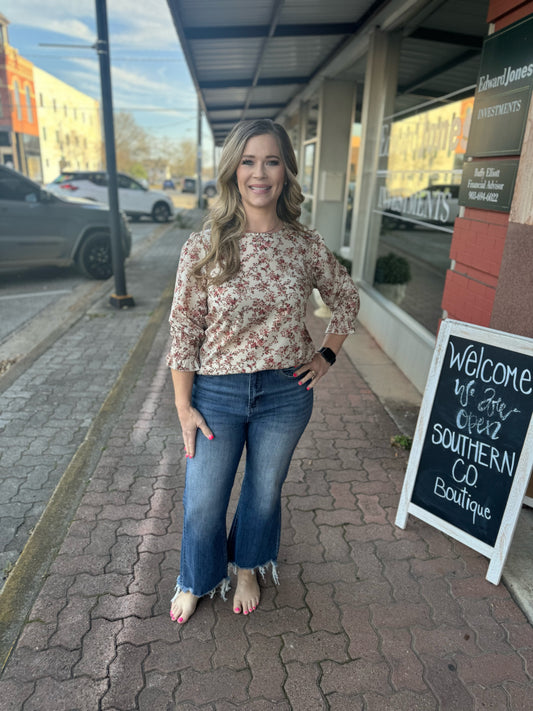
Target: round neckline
(265,234)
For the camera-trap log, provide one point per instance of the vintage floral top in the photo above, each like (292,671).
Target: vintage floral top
(255,321)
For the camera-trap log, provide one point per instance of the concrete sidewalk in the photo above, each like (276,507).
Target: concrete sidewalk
(367,616)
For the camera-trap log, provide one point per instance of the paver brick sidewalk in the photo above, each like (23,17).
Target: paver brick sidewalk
(367,616)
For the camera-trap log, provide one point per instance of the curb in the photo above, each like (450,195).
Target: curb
(25,580)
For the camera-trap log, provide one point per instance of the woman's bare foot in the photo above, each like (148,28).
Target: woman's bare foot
(183,606)
(247,593)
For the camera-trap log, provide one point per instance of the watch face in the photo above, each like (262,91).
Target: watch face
(328,355)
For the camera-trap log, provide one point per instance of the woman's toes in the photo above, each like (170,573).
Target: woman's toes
(182,607)
(247,593)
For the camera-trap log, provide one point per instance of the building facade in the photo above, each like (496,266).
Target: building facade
(470,263)
(19,132)
(69,127)
(400,82)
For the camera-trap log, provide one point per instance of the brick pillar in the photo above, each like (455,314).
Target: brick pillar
(482,282)
(491,283)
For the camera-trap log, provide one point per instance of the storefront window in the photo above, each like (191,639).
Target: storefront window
(307,160)
(18,105)
(307,182)
(350,188)
(416,203)
(29,109)
(311,124)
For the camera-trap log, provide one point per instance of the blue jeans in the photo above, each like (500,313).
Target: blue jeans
(267,411)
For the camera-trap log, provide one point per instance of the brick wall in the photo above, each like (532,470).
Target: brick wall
(479,237)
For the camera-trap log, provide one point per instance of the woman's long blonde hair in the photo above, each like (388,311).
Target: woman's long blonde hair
(227,219)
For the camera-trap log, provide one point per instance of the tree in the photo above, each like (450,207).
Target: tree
(132,144)
(185,159)
(143,155)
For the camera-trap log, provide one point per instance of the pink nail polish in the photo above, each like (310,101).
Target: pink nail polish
(300,382)
(237,609)
(180,619)
(295,375)
(172,616)
(210,437)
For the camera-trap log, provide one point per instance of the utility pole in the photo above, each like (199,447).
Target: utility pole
(199,190)
(120,298)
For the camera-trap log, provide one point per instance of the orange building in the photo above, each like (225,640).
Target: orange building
(19,130)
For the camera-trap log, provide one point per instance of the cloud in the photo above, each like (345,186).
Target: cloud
(56,17)
(148,25)
(132,88)
(139,34)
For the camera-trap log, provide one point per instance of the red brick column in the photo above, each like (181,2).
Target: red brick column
(474,291)
(491,283)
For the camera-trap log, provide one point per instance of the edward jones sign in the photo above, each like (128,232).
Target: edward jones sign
(503,92)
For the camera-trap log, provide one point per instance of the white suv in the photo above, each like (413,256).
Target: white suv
(134,199)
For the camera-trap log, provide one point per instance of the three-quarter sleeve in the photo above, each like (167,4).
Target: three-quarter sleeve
(336,288)
(189,309)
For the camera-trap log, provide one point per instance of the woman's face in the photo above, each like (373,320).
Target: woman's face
(261,173)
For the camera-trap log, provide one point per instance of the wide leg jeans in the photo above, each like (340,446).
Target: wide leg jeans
(266,412)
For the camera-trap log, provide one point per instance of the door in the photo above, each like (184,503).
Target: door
(132,197)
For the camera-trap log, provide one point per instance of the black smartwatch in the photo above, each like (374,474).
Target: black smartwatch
(328,355)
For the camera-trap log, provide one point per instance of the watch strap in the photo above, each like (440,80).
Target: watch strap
(328,355)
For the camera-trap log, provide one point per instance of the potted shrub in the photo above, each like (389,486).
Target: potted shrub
(391,276)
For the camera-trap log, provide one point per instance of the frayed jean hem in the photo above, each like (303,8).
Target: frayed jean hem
(222,588)
(262,569)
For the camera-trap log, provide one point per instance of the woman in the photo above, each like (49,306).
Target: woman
(243,364)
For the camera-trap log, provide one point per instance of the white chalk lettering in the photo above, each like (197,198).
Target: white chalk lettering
(493,405)
(476,365)
(481,453)
(469,475)
(477,425)
(461,498)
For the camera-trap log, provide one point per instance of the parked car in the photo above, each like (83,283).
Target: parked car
(41,229)
(168,184)
(134,198)
(209,187)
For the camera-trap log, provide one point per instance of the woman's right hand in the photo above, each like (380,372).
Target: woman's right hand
(191,421)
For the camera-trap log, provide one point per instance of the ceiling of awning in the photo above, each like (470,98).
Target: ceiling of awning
(257,59)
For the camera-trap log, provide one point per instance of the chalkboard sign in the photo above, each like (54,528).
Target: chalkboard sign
(472,452)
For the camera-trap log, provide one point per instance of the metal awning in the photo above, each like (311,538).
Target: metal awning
(259,59)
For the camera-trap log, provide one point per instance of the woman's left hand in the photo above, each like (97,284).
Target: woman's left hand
(312,372)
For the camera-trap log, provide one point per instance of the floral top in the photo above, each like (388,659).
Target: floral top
(255,321)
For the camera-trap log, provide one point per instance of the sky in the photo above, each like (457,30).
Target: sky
(149,74)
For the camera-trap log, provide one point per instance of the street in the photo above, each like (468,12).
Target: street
(67,358)
(36,301)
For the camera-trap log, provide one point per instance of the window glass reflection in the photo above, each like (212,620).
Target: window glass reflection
(416,204)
